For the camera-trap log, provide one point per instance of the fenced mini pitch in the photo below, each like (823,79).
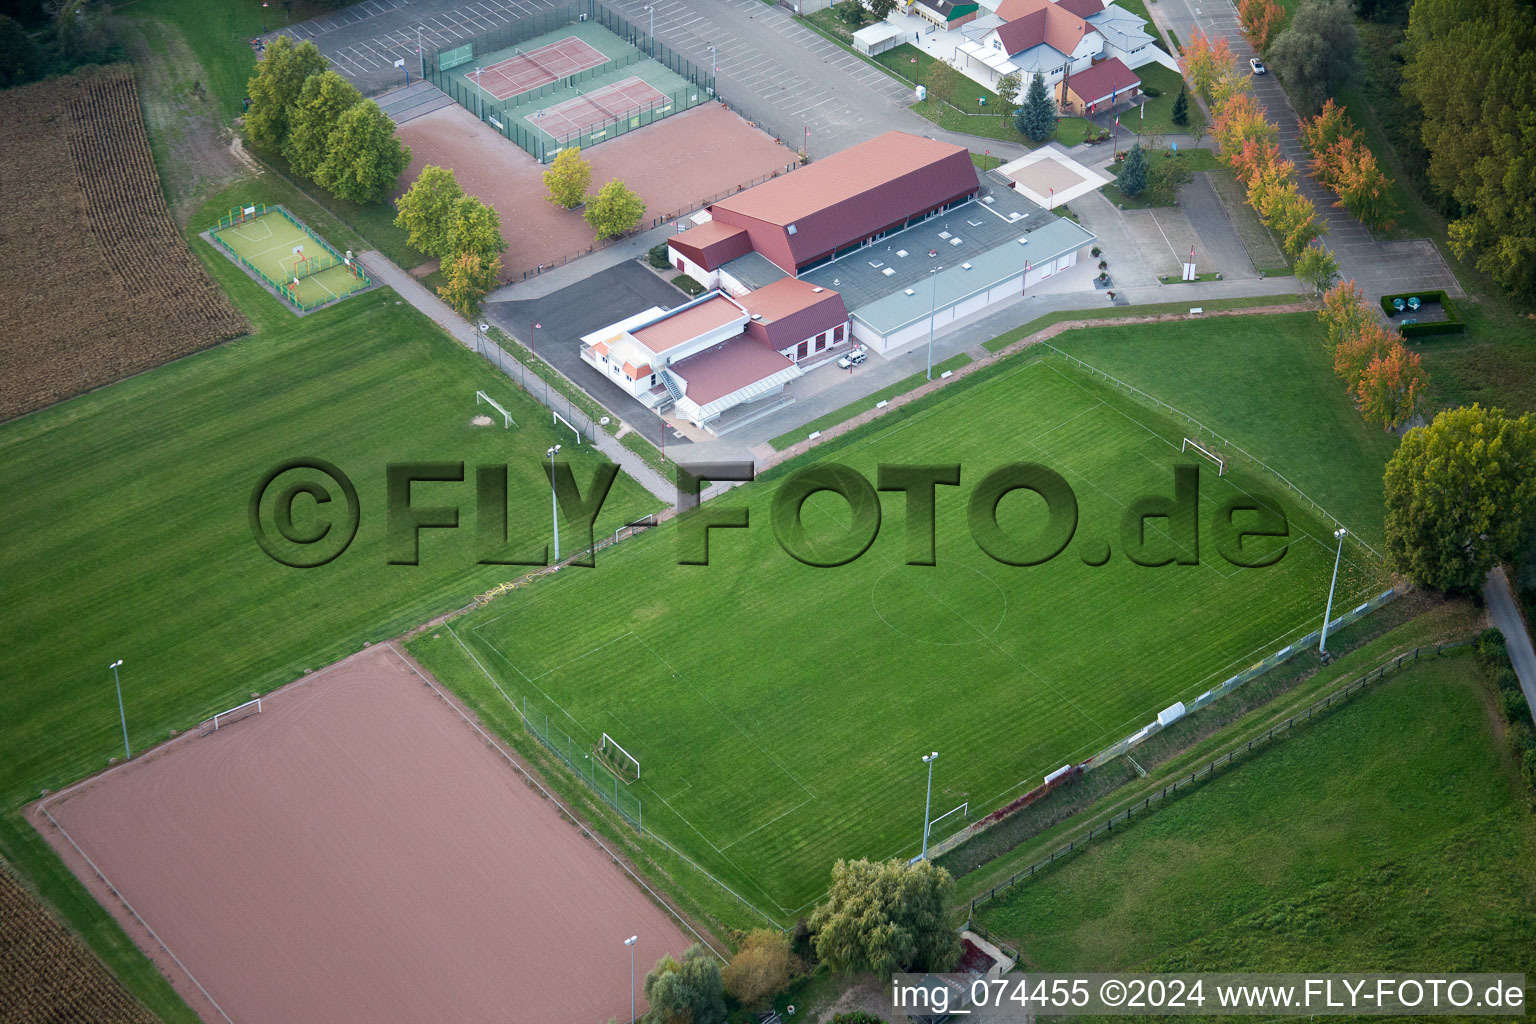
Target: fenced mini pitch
(573,76)
(283,253)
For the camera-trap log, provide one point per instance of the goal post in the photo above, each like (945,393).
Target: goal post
(624,764)
(1221,463)
(964,810)
(561,419)
(229,717)
(507,421)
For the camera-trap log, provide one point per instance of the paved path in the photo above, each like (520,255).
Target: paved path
(1506,616)
(462,331)
(1378,267)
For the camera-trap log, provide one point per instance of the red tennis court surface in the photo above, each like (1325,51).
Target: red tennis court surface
(529,70)
(359,852)
(576,115)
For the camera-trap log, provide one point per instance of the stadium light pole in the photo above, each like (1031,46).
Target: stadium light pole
(713,64)
(479,95)
(127,751)
(483,329)
(421,54)
(630,942)
(264,17)
(1322,646)
(933,312)
(649,9)
(554,502)
(928,803)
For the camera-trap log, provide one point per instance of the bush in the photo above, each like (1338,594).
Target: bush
(857,1017)
(1151,91)
(1512,703)
(1491,651)
(760,968)
(1505,679)
(657,255)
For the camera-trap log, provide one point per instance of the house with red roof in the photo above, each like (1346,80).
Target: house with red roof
(1057,39)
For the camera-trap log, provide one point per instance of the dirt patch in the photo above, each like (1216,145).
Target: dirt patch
(481,421)
(196,152)
(360,852)
(674,165)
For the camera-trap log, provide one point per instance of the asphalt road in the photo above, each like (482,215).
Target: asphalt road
(1506,616)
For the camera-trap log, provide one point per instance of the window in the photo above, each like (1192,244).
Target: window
(653,380)
(821,341)
(837,333)
(800,353)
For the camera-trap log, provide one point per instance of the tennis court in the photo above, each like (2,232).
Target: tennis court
(526,70)
(290,258)
(628,98)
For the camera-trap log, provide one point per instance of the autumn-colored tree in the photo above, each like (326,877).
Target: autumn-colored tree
(469,278)
(1317,266)
(568,178)
(613,210)
(1319,132)
(1239,119)
(1278,201)
(1344,312)
(1363,189)
(1261,19)
(1355,351)
(1227,85)
(1391,387)
(1259,156)
(760,968)
(1204,60)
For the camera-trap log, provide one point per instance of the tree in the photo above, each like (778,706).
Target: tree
(1318,133)
(1180,113)
(760,968)
(1355,351)
(1391,387)
(427,211)
(21,59)
(475,227)
(1344,312)
(614,210)
(886,917)
(686,992)
(1363,188)
(1132,179)
(1008,93)
(80,29)
(275,88)
(850,12)
(1260,20)
(1036,119)
(1470,66)
(1460,496)
(363,159)
(1317,266)
(322,101)
(943,80)
(1197,130)
(1258,157)
(470,277)
(1278,201)
(1316,53)
(1237,120)
(1204,60)
(882,9)
(568,178)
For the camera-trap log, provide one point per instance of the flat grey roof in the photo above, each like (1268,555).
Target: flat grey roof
(753,270)
(896,309)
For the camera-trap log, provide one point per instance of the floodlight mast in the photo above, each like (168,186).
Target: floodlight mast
(127,751)
(554,501)
(630,942)
(1322,644)
(928,802)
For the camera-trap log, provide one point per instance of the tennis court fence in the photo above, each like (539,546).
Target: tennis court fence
(327,259)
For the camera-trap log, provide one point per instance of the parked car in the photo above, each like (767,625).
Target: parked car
(1257,65)
(852,359)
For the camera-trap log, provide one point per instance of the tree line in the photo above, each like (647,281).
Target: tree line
(39,39)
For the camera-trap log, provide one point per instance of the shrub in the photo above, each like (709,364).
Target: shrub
(760,968)
(857,1017)
(1505,679)
(1151,91)
(1452,324)
(1512,703)
(1492,653)
(657,255)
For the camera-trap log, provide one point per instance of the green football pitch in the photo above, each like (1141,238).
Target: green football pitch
(778,711)
(279,247)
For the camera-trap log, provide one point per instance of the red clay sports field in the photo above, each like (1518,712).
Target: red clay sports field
(529,70)
(358,852)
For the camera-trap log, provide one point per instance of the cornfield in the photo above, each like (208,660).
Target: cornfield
(46,974)
(98,284)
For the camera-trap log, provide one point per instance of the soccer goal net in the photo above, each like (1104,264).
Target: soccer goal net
(1221,463)
(507,421)
(619,760)
(234,714)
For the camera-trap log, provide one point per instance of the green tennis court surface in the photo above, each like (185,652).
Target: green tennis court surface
(292,259)
(778,711)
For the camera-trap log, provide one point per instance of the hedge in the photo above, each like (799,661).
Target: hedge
(1452,323)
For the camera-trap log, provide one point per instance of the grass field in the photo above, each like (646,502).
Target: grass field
(1389,835)
(778,711)
(279,247)
(1268,383)
(132,500)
